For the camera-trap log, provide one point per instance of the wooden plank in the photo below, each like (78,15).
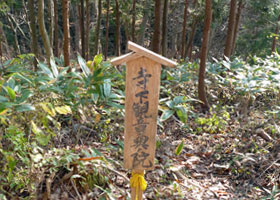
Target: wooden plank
(141,111)
(125,58)
(147,53)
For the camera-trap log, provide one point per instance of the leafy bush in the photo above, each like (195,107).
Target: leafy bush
(248,78)
(45,99)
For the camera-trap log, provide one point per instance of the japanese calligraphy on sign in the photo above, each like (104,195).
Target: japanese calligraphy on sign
(142,88)
(141,109)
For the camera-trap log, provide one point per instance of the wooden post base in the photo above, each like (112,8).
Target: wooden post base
(134,191)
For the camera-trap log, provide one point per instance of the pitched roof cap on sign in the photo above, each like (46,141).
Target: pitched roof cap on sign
(125,58)
(139,51)
(150,54)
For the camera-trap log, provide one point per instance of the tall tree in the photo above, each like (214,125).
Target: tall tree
(230,30)
(133,20)
(156,35)
(34,40)
(127,26)
(184,29)
(143,25)
(55,39)
(77,30)
(4,43)
(189,48)
(51,24)
(118,34)
(203,55)
(14,28)
(82,27)
(275,35)
(97,30)
(66,35)
(43,31)
(195,20)
(164,28)
(107,29)
(87,30)
(1,41)
(236,24)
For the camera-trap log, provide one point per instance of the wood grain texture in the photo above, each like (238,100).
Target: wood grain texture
(149,54)
(141,111)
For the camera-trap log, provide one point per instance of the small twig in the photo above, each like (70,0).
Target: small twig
(76,190)
(116,172)
(66,189)
(82,143)
(48,186)
(67,176)
(275,162)
(90,158)
(255,181)
(186,179)
(177,120)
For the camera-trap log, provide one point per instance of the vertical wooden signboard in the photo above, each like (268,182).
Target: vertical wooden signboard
(143,69)
(142,91)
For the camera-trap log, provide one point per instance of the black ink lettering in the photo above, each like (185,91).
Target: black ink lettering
(140,158)
(142,74)
(141,141)
(140,111)
(142,95)
(140,129)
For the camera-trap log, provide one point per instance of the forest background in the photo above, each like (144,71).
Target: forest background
(106,26)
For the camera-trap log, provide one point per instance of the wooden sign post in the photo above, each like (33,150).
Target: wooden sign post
(143,69)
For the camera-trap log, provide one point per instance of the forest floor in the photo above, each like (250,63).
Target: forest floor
(210,166)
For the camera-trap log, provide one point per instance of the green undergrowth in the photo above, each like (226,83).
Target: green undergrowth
(44,113)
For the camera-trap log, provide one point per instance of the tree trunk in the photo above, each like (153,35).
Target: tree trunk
(156,36)
(97,30)
(34,40)
(133,20)
(191,38)
(43,31)
(184,29)
(143,25)
(236,25)
(55,41)
(107,30)
(164,28)
(66,35)
(276,36)
(51,16)
(203,56)
(87,30)
(118,35)
(77,31)
(211,39)
(1,51)
(230,30)
(173,43)
(126,30)
(82,28)
(4,42)
(189,48)
(14,29)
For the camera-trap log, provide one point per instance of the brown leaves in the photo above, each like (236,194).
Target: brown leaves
(260,132)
